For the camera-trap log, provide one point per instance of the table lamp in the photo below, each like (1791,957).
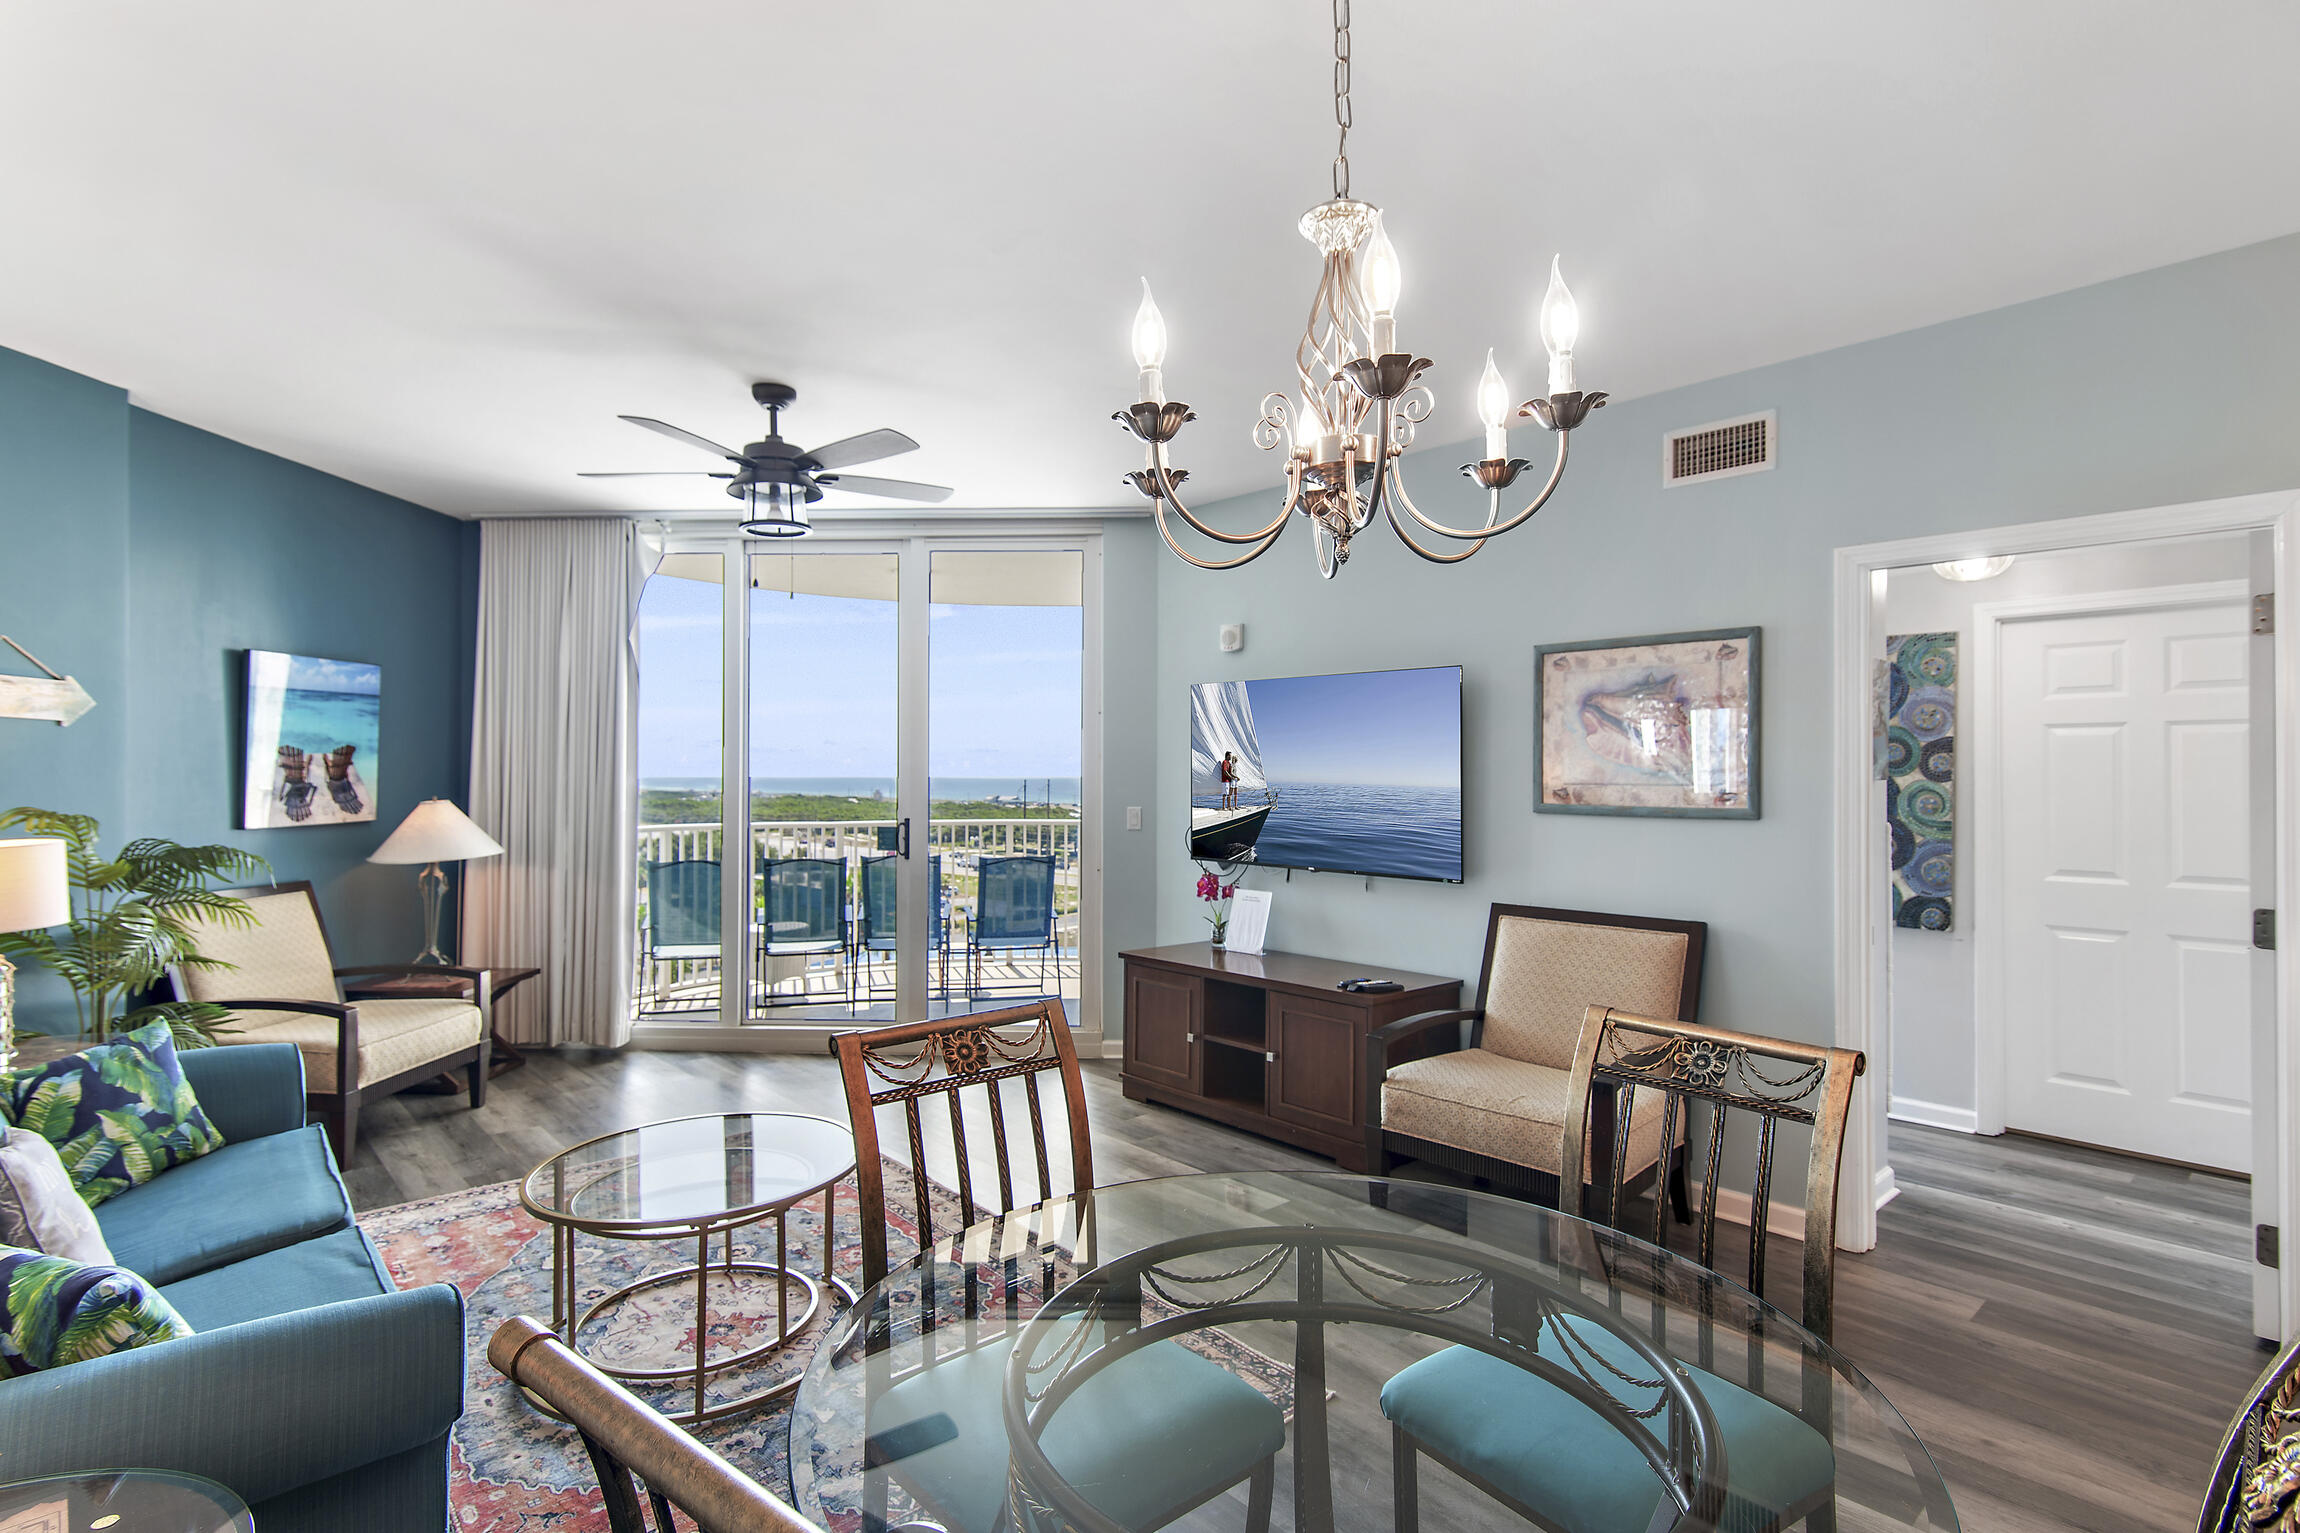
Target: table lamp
(435,832)
(35,893)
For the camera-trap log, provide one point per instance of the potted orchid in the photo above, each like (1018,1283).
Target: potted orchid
(1216,894)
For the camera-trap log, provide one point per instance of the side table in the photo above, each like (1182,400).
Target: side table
(505,1055)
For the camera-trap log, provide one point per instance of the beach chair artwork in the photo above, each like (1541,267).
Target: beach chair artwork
(313,740)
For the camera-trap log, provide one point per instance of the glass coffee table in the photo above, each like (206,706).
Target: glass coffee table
(693,1179)
(122,1501)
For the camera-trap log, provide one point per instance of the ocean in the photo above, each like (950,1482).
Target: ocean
(318,722)
(1041,790)
(1348,828)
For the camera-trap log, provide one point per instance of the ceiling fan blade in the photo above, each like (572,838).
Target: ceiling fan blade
(677,435)
(652,473)
(893,489)
(868,447)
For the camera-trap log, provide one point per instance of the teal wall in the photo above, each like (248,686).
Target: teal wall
(145,557)
(2174,385)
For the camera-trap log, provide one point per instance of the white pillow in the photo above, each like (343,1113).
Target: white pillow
(40,1210)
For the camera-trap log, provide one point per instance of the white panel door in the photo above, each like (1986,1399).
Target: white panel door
(2129,968)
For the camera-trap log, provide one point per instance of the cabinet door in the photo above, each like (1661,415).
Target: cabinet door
(1314,1078)
(1163,1017)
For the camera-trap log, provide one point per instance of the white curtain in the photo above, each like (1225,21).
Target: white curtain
(553,737)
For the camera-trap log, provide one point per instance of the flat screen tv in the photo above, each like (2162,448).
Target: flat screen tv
(1359,773)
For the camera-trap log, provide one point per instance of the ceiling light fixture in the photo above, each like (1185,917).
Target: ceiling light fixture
(1359,397)
(1974,569)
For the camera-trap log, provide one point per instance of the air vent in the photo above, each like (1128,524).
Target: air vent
(1719,450)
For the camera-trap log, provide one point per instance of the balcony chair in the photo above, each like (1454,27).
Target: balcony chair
(1158,1434)
(633,1448)
(283,987)
(1496,1109)
(683,903)
(1013,913)
(1546,1455)
(876,932)
(805,917)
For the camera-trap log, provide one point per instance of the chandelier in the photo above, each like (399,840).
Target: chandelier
(1359,398)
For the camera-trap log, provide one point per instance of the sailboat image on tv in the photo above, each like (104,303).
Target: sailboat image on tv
(1222,728)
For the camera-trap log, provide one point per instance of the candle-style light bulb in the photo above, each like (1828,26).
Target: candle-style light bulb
(1381,279)
(1307,425)
(1560,328)
(1493,408)
(1150,346)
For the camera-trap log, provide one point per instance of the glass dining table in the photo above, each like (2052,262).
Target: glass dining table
(1318,1289)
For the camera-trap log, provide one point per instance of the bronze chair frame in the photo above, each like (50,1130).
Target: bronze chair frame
(970,1052)
(339,1109)
(634,1449)
(1439,1032)
(1686,1062)
(2271,1414)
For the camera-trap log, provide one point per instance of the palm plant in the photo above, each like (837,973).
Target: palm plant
(132,916)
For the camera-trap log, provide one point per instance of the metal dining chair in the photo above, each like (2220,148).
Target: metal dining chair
(1013,913)
(682,915)
(644,1463)
(1539,1452)
(2256,1481)
(1153,1436)
(805,917)
(876,933)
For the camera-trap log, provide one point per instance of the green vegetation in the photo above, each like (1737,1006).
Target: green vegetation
(671,806)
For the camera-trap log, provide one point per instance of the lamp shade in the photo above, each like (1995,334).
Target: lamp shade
(436,831)
(35,886)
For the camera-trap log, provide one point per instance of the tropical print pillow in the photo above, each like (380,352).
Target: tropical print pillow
(118,1114)
(61,1311)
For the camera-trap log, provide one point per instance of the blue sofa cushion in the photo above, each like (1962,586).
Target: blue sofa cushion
(1547,1451)
(1151,1433)
(59,1311)
(242,1201)
(119,1113)
(310,1272)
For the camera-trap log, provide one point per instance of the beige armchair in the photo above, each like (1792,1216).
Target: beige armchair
(1497,1108)
(283,987)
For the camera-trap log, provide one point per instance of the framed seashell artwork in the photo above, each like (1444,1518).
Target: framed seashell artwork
(1664,725)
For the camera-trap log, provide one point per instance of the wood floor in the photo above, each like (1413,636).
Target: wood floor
(2067,1330)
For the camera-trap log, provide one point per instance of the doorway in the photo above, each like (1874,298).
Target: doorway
(2255,869)
(867,771)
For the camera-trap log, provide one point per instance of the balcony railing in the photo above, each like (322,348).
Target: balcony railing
(690,985)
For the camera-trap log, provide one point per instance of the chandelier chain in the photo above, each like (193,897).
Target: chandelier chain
(1342,98)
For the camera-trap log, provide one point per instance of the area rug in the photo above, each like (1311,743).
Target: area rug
(514,1469)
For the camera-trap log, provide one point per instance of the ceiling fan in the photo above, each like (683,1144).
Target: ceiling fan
(776,481)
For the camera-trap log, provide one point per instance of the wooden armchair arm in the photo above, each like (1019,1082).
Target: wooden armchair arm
(476,979)
(346,1016)
(1387,1037)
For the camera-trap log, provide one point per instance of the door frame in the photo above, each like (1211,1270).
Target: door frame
(1984,810)
(1859,856)
(913,541)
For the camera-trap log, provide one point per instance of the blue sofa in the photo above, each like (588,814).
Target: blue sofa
(314,1389)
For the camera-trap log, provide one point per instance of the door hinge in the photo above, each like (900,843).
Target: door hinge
(2264,1245)
(2264,929)
(2264,612)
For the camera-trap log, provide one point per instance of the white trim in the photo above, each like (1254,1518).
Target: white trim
(1981,767)
(1859,857)
(1887,1187)
(1783,1219)
(1932,1115)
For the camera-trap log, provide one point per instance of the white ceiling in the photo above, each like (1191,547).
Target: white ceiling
(436,245)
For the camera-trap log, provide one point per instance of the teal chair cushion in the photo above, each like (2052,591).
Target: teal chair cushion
(1545,1450)
(311,1272)
(240,1201)
(1152,1433)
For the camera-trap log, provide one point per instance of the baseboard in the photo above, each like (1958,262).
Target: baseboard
(1935,1115)
(1888,1186)
(1113,1048)
(1733,1207)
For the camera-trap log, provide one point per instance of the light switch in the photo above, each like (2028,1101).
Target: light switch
(1133,816)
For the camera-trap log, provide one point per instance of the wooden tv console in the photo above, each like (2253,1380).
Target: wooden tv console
(1265,1043)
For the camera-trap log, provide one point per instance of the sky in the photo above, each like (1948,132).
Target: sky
(1392,728)
(307,674)
(1003,686)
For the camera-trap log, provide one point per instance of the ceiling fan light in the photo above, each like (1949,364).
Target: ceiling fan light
(774,510)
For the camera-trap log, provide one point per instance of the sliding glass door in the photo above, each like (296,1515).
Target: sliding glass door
(891,736)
